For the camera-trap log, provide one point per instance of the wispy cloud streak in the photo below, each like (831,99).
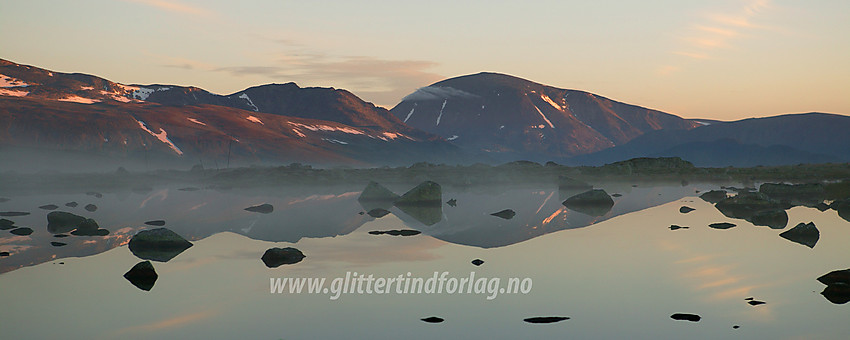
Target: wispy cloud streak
(175,7)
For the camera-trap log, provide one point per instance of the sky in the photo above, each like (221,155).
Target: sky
(712,59)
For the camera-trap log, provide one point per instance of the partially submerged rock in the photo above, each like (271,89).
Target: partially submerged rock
(275,257)
(264,208)
(477,262)
(71,204)
(159,244)
(756,302)
(452,202)
(676,227)
(804,233)
(49,207)
(396,232)
(506,214)
(546,319)
(156,223)
(377,192)
(89,228)
(775,219)
(686,209)
(142,275)
(433,319)
(809,194)
(90,207)
(63,222)
(4,253)
(837,284)
(6,224)
(686,317)
(713,196)
(378,212)
(746,204)
(57,244)
(593,202)
(95,194)
(427,193)
(721,225)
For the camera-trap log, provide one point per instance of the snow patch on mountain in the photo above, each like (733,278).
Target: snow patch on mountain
(551,102)
(193,120)
(6,81)
(255,120)
(299,133)
(13,93)
(436,93)
(162,136)
(142,93)
(78,99)
(410,113)
(453,137)
(544,116)
(245,96)
(335,141)
(329,128)
(441,111)
(86,88)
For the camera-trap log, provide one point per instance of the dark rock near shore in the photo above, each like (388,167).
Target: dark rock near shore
(396,232)
(433,319)
(49,207)
(804,233)
(837,284)
(275,257)
(90,207)
(60,235)
(809,194)
(686,317)
(142,275)
(546,319)
(4,253)
(58,244)
(747,204)
(756,302)
(159,244)
(6,224)
(71,204)
(63,222)
(721,225)
(264,208)
(22,231)
(156,223)
(594,202)
(506,214)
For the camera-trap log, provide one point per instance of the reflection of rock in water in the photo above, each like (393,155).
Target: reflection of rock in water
(22,231)
(423,214)
(546,319)
(156,223)
(13,213)
(275,257)
(433,319)
(713,196)
(721,225)
(775,219)
(676,227)
(6,224)
(378,212)
(377,192)
(159,244)
(58,244)
(49,207)
(264,208)
(427,193)
(795,194)
(89,228)
(594,202)
(477,262)
(686,317)
(837,284)
(756,302)
(396,232)
(804,233)
(506,214)
(142,275)
(95,194)
(686,209)
(842,207)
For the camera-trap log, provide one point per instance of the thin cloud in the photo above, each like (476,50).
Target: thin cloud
(718,30)
(175,7)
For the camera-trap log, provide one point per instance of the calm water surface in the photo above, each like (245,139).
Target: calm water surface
(618,275)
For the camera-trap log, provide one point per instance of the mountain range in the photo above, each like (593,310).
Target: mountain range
(52,121)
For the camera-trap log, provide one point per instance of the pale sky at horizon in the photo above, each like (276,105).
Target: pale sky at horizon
(722,59)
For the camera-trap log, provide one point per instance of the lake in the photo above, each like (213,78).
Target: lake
(615,273)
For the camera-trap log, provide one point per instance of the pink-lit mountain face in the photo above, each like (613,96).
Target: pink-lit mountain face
(511,118)
(90,119)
